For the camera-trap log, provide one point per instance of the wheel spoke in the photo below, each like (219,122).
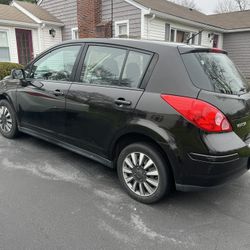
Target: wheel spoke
(6,111)
(152,173)
(148,164)
(148,188)
(134,158)
(127,171)
(141,189)
(129,179)
(129,163)
(152,182)
(134,186)
(141,158)
(8,127)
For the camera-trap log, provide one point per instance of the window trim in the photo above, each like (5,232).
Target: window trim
(191,32)
(8,41)
(119,23)
(73,30)
(145,78)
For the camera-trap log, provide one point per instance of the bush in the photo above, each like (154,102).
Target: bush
(6,67)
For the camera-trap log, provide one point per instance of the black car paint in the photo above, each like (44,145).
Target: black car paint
(87,120)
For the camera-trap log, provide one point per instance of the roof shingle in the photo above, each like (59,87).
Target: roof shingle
(13,14)
(232,20)
(39,12)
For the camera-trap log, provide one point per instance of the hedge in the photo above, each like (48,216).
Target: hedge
(6,67)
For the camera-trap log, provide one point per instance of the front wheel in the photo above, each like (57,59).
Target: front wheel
(8,121)
(143,172)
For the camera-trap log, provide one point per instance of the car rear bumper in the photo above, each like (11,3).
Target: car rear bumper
(212,175)
(223,161)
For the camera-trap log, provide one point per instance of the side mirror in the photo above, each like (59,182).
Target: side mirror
(18,74)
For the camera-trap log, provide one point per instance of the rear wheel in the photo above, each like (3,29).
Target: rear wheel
(8,121)
(143,172)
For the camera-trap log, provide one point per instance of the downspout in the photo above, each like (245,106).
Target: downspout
(149,21)
(112,17)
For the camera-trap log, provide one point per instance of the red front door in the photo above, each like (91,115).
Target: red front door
(24,46)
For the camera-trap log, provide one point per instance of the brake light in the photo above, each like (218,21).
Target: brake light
(217,50)
(200,113)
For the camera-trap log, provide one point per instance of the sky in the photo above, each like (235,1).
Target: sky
(207,6)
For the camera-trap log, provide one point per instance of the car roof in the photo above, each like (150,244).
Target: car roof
(150,45)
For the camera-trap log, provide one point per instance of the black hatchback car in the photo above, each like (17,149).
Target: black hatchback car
(164,115)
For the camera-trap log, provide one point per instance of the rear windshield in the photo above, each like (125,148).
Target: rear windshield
(215,72)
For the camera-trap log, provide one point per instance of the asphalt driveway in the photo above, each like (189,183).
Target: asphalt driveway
(51,198)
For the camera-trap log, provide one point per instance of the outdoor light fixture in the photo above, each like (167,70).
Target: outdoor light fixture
(210,35)
(52,32)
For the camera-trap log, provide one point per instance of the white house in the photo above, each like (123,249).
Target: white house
(25,31)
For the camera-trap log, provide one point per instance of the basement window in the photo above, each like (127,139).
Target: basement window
(122,29)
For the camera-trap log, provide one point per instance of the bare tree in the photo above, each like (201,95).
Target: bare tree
(187,3)
(232,5)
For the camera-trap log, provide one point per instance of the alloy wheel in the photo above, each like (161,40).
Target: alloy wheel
(6,122)
(140,174)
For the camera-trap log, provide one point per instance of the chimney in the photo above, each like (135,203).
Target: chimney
(88,17)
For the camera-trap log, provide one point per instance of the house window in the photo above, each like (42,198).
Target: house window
(75,33)
(4,47)
(182,36)
(167,32)
(173,35)
(122,29)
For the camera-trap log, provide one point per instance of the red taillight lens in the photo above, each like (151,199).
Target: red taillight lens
(200,113)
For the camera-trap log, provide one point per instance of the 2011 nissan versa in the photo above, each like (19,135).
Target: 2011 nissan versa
(163,114)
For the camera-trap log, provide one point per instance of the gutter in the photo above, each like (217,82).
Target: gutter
(186,21)
(53,23)
(193,23)
(17,23)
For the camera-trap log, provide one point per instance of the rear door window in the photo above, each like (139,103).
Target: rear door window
(215,72)
(103,65)
(135,69)
(109,66)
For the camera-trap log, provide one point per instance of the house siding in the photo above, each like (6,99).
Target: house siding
(238,48)
(206,40)
(155,29)
(49,41)
(123,11)
(64,10)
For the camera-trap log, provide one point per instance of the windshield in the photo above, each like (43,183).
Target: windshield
(215,72)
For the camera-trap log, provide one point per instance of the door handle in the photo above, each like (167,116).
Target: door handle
(58,92)
(122,102)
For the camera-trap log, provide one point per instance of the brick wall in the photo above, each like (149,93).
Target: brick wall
(89,19)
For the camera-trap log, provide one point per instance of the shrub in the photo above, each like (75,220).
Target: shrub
(6,67)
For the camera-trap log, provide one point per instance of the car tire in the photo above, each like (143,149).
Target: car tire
(8,120)
(144,173)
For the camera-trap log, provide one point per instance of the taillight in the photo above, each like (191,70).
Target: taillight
(200,113)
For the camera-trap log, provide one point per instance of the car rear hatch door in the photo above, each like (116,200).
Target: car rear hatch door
(221,84)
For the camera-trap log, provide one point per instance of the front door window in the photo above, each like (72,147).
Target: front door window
(57,65)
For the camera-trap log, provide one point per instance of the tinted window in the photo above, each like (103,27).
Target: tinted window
(57,65)
(215,72)
(135,68)
(103,65)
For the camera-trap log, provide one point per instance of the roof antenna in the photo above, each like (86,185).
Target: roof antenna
(193,36)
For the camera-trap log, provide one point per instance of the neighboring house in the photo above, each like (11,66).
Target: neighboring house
(155,20)
(25,31)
